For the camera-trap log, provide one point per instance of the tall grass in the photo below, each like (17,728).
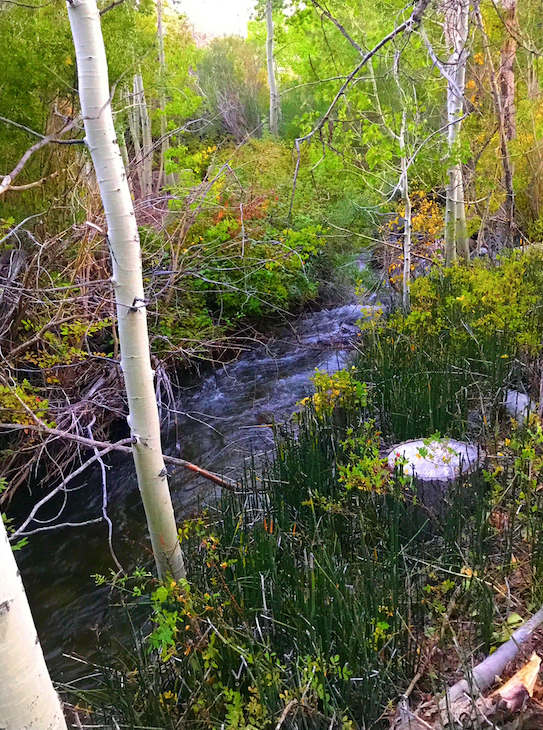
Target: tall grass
(420,388)
(316,592)
(308,593)
(472,333)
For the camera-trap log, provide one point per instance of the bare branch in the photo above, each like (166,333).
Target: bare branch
(8,179)
(37,183)
(38,134)
(37,337)
(338,25)
(19,225)
(408,25)
(92,444)
(110,7)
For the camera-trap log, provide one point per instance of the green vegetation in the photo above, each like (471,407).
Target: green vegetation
(318,590)
(472,332)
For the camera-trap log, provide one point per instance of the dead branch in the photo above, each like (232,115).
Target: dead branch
(5,185)
(338,25)
(110,7)
(38,134)
(37,337)
(37,183)
(463,702)
(484,675)
(223,482)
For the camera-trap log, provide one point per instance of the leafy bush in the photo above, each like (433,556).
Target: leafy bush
(469,334)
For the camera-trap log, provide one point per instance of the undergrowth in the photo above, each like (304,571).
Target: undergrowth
(314,597)
(472,332)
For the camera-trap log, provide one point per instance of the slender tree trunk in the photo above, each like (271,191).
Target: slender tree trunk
(509,112)
(27,697)
(147,140)
(456,27)
(275,108)
(533,89)
(128,283)
(165,144)
(504,147)
(135,132)
(404,188)
(507,70)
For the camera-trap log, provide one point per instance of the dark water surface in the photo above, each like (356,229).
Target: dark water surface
(224,420)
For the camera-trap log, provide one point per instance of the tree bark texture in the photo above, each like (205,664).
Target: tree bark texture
(456,31)
(127,280)
(274,98)
(27,697)
(507,69)
(147,141)
(163,178)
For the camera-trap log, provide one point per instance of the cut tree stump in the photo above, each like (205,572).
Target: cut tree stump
(435,465)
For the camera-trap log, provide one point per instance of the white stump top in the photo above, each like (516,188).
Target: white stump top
(435,461)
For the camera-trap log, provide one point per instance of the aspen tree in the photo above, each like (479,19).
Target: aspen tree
(274,97)
(27,696)
(167,179)
(456,30)
(123,239)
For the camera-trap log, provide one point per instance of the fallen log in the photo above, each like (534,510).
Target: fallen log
(485,674)
(463,705)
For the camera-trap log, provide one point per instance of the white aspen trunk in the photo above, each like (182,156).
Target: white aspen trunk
(128,283)
(274,98)
(404,186)
(124,154)
(456,27)
(27,697)
(165,144)
(147,140)
(135,133)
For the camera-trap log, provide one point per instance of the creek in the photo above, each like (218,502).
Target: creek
(223,418)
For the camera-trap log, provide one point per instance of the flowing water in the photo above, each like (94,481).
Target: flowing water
(223,418)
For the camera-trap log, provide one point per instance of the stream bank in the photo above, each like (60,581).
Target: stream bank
(222,419)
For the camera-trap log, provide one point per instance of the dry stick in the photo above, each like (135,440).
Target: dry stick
(22,531)
(224,482)
(8,179)
(105,515)
(37,183)
(39,134)
(37,337)
(413,20)
(484,674)
(338,25)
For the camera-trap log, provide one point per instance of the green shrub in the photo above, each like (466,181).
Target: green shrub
(470,333)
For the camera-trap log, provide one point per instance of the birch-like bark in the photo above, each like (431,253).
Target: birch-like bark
(456,31)
(147,140)
(165,143)
(274,98)
(407,226)
(27,697)
(128,283)
(135,132)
